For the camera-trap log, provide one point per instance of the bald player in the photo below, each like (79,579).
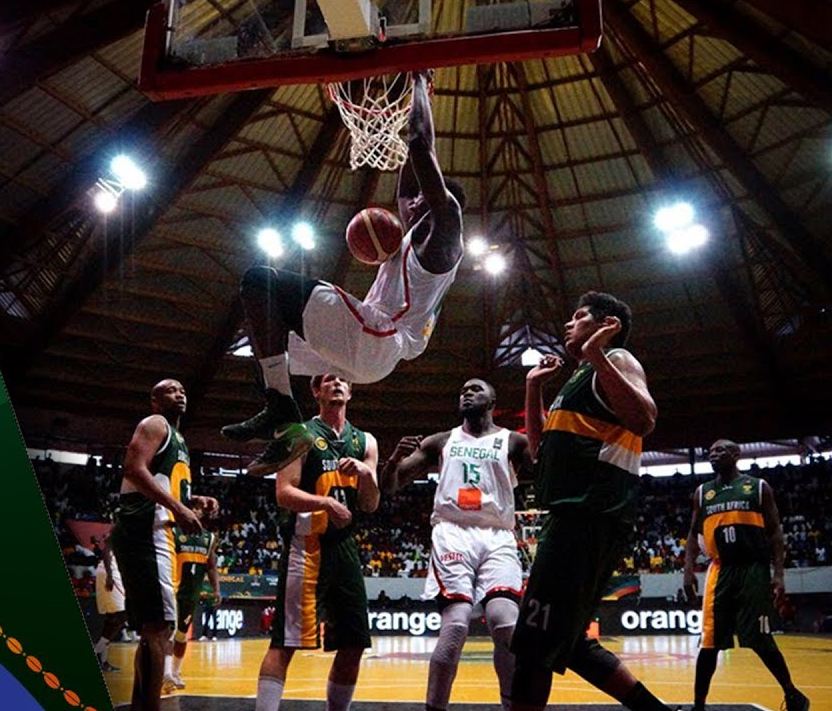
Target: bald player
(738,519)
(155,496)
(473,555)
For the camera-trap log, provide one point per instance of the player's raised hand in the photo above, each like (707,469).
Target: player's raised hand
(405,446)
(339,514)
(594,347)
(546,369)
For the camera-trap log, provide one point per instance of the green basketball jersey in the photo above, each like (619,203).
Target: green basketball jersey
(192,553)
(732,521)
(320,476)
(587,458)
(172,471)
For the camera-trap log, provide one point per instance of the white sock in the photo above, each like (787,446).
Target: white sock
(338,696)
(101,646)
(276,373)
(168,665)
(177,665)
(269,694)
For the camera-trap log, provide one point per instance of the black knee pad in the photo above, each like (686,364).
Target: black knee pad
(592,662)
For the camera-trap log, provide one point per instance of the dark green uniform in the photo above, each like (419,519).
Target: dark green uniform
(143,539)
(737,597)
(192,555)
(320,570)
(587,478)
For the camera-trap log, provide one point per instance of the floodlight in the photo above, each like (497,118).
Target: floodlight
(303,235)
(105,201)
(270,241)
(687,239)
(530,357)
(674,217)
(477,246)
(128,173)
(494,263)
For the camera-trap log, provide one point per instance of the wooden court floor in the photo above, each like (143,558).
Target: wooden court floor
(395,669)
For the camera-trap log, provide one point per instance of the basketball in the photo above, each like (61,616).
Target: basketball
(373,235)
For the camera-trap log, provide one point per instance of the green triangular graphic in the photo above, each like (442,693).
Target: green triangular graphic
(43,642)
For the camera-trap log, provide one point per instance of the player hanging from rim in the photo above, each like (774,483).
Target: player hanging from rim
(307,326)
(473,550)
(738,518)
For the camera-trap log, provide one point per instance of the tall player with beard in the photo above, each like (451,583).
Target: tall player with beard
(473,549)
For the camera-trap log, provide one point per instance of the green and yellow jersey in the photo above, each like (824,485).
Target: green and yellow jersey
(732,521)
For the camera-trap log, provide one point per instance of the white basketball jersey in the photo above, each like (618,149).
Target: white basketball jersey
(476,481)
(411,296)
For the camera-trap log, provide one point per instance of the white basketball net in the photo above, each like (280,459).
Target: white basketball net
(375,111)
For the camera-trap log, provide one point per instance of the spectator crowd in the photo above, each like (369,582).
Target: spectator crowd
(395,541)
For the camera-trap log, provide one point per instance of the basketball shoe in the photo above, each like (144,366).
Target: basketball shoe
(280,410)
(795,701)
(286,447)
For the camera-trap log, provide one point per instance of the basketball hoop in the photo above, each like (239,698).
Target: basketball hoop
(375,111)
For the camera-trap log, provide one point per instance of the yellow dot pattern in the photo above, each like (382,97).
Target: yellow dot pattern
(34,665)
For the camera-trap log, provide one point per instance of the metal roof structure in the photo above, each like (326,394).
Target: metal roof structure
(726,103)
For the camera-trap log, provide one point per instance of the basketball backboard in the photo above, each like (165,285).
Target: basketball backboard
(200,47)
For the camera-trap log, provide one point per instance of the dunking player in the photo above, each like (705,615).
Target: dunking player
(109,600)
(320,570)
(588,466)
(196,556)
(155,494)
(473,554)
(738,518)
(307,326)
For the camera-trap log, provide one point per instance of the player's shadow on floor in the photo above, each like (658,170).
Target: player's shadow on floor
(230,703)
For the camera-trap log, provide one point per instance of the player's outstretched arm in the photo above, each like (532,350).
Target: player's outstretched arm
(535,379)
(774,532)
(692,549)
(621,379)
(422,157)
(147,439)
(400,470)
(520,456)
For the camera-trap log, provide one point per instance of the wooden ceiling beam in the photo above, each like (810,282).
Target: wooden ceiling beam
(231,322)
(108,254)
(76,38)
(671,83)
(726,22)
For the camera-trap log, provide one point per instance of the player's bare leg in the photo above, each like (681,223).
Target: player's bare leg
(272,678)
(343,675)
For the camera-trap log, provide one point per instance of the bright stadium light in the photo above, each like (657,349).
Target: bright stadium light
(128,173)
(494,264)
(105,201)
(687,239)
(674,217)
(477,246)
(530,357)
(303,235)
(270,242)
